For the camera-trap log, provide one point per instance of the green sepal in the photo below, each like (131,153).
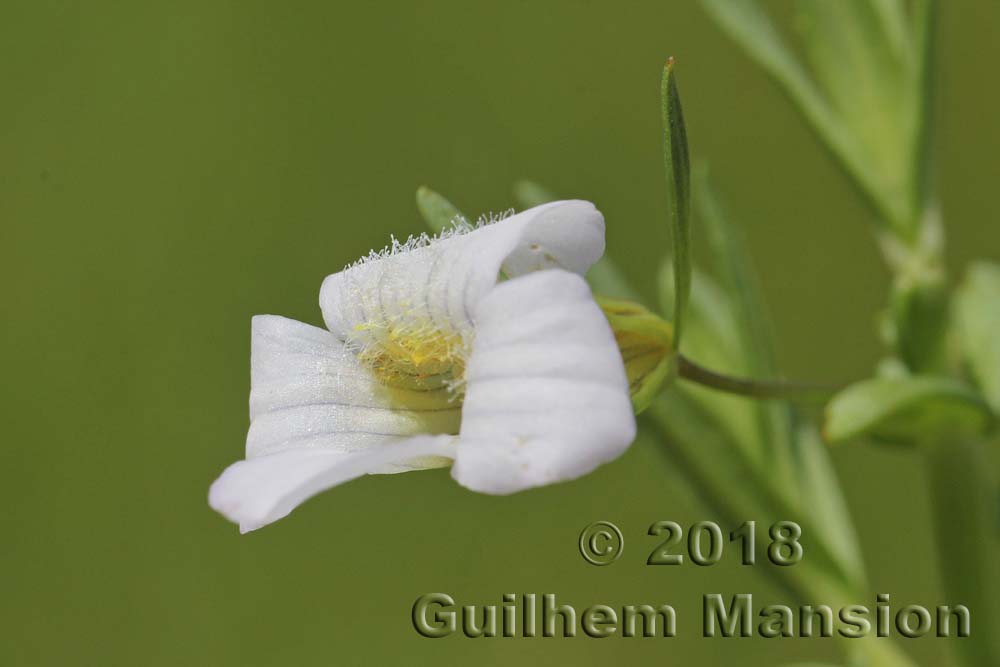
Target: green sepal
(646,344)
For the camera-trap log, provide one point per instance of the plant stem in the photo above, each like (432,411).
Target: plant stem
(690,370)
(964,514)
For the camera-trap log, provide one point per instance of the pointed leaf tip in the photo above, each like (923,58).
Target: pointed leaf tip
(437,212)
(678,172)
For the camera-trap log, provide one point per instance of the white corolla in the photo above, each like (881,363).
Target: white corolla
(482,349)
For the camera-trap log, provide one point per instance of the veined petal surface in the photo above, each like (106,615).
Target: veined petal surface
(308,391)
(546,397)
(422,290)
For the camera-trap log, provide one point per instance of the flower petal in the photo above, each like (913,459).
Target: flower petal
(259,491)
(437,285)
(308,391)
(546,398)
(559,235)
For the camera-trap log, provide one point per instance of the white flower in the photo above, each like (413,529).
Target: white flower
(482,347)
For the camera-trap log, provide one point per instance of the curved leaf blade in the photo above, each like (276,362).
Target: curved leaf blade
(906,410)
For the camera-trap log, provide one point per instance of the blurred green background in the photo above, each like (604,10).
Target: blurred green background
(168,170)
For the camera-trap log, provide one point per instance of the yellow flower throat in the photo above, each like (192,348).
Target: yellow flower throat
(414,354)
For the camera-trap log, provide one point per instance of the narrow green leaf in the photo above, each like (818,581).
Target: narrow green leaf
(978,317)
(713,340)
(911,410)
(678,171)
(716,446)
(921,90)
(735,490)
(529,194)
(922,24)
(797,471)
(854,60)
(869,86)
(823,499)
(749,25)
(437,212)
(892,16)
(739,279)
